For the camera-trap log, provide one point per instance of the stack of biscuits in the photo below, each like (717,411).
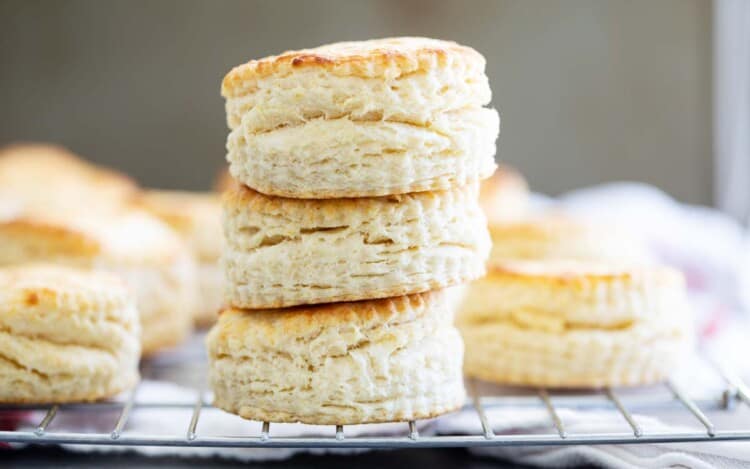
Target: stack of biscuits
(358,168)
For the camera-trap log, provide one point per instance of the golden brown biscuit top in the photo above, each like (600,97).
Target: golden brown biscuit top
(45,287)
(123,237)
(388,58)
(546,226)
(251,201)
(196,216)
(41,177)
(182,209)
(303,321)
(572,272)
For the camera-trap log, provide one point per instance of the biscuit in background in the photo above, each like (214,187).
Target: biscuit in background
(361,119)
(505,196)
(152,260)
(66,335)
(395,359)
(196,216)
(285,252)
(37,177)
(556,236)
(224,181)
(569,324)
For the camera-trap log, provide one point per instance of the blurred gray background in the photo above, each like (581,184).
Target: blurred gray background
(588,90)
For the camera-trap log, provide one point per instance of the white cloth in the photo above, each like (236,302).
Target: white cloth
(731,80)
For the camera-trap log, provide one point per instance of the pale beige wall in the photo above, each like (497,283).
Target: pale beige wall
(589,91)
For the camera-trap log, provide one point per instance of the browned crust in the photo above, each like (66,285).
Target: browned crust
(40,159)
(251,200)
(373,192)
(48,238)
(49,286)
(368,59)
(580,274)
(179,209)
(298,320)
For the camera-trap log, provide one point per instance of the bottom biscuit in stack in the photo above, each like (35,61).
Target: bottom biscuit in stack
(393,359)
(65,335)
(567,324)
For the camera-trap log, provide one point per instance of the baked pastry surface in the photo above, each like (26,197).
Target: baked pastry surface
(361,119)
(66,335)
(361,362)
(575,324)
(153,261)
(285,252)
(196,216)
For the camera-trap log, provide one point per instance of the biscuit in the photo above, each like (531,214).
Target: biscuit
(69,183)
(361,119)
(334,158)
(285,252)
(557,236)
(150,257)
(505,196)
(575,324)
(223,181)
(66,335)
(409,80)
(211,298)
(197,218)
(394,359)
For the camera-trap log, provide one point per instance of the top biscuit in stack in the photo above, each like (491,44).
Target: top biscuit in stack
(361,119)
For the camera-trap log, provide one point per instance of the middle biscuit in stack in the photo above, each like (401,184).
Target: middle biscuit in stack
(285,252)
(359,166)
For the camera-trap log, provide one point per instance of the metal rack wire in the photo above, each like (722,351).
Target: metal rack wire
(735,391)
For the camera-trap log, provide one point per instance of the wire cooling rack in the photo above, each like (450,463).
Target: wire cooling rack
(669,397)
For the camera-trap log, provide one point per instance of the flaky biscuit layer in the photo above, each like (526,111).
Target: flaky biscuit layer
(65,335)
(335,158)
(635,355)
(285,252)
(398,79)
(363,362)
(154,262)
(361,119)
(575,324)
